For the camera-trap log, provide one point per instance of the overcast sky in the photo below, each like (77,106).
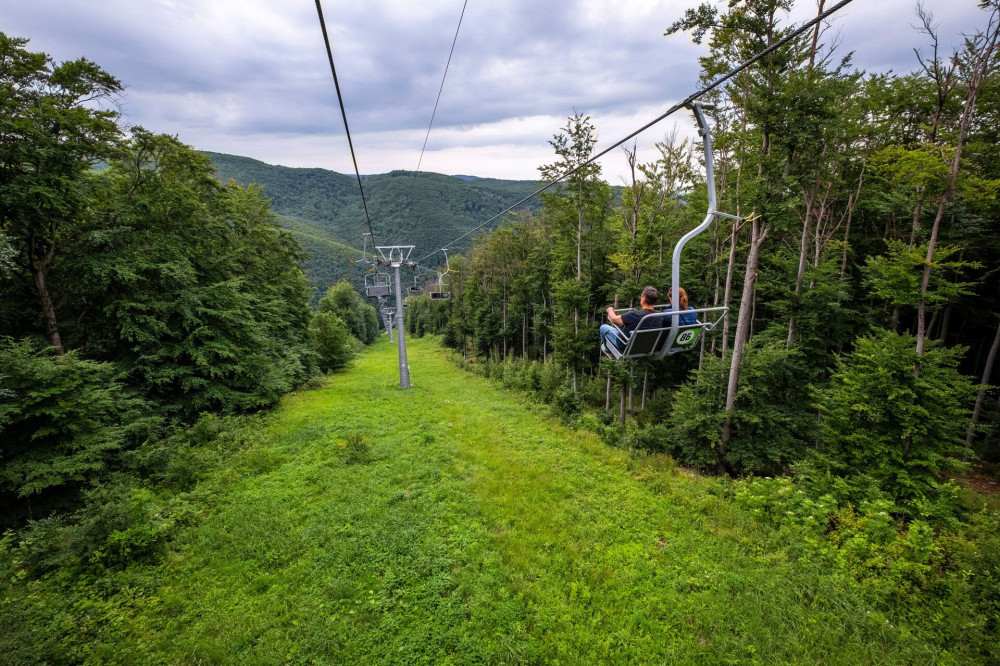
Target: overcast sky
(250,77)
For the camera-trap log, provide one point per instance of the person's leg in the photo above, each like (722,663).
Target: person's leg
(609,336)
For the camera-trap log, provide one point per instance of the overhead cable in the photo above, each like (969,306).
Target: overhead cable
(446,66)
(343,112)
(680,105)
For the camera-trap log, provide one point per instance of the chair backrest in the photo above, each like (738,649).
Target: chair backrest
(440,295)
(644,342)
(652,336)
(377,290)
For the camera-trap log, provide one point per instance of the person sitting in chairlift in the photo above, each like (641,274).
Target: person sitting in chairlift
(685,319)
(628,321)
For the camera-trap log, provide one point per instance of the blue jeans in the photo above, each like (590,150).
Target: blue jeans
(609,335)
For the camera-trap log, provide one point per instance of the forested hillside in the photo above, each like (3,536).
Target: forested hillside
(427,210)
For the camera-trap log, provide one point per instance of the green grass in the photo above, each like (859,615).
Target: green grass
(454,523)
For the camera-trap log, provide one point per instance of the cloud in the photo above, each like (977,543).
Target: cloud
(251,77)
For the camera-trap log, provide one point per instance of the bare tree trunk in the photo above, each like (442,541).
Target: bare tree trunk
(803,255)
(645,383)
(945,322)
(48,309)
(631,385)
(847,232)
(524,335)
(757,235)
(987,373)
(728,291)
(621,396)
(40,271)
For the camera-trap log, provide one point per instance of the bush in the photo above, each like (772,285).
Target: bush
(770,427)
(332,341)
(62,419)
(361,319)
(904,430)
(358,448)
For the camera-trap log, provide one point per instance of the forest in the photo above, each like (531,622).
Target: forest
(861,276)
(165,367)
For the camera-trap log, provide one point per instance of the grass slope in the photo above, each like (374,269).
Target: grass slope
(474,529)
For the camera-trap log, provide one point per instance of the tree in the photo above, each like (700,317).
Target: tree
(332,340)
(361,318)
(187,284)
(578,208)
(881,420)
(53,128)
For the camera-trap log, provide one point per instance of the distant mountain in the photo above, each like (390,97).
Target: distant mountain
(323,208)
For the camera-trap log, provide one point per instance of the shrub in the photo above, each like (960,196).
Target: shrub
(332,341)
(770,427)
(896,417)
(62,418)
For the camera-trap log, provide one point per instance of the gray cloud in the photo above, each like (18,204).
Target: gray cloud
(251,77)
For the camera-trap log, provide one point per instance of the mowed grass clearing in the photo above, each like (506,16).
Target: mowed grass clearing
(453,523)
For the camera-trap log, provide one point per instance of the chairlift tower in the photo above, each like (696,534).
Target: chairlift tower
(396,256)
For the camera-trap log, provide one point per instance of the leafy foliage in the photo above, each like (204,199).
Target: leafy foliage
(63,419)
(332,340)
(896,417)
(361,318)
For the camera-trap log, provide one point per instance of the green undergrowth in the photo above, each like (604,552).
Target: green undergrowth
(449,523)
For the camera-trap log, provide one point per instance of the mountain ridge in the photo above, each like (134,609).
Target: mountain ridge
(324,212)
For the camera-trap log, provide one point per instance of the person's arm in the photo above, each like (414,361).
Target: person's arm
(614,318)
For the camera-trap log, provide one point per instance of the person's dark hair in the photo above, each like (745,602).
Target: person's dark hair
(651,295)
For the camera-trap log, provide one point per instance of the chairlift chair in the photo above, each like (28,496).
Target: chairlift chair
(378,285)
(416,289)
(441,294)
(655,336)
(661,333)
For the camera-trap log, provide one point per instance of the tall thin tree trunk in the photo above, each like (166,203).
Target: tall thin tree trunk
(803,256)
(945,322)
(984,58)
(728,291)
(757,235)
(48,309)
(621,400)
(39,272)
(645,383)
(987,373)
(631,385)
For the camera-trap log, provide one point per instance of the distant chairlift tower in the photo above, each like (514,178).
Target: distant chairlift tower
(396,256)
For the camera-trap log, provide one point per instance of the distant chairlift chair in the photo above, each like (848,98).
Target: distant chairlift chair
(378,285)
(441,294)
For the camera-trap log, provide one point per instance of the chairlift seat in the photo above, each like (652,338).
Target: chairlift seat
(375,291)
(440,295)
(655,337)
